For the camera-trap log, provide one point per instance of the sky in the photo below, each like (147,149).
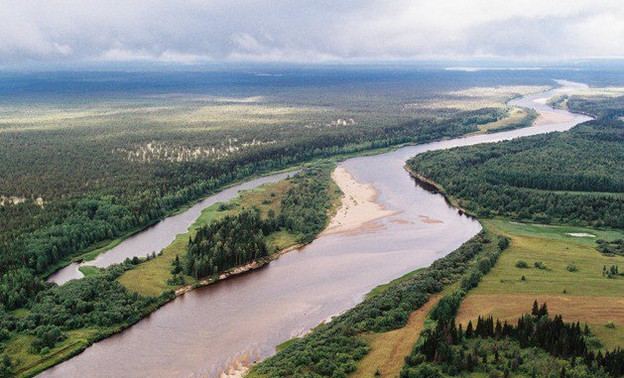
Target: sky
(193,31)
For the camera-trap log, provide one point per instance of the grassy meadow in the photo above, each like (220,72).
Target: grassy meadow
(581,293)
(151,277)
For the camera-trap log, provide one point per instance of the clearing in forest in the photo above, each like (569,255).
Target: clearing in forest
(562,270)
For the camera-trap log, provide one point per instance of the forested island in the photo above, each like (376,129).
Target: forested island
(236,240)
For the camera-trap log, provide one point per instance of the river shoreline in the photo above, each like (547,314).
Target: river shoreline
(374,212)
(434,187)
(90,254)
(359,207)
(256,264)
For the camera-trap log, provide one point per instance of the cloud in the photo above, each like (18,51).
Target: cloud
(306,30)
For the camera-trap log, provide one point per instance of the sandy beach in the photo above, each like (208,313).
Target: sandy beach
(549,117)
(359,207)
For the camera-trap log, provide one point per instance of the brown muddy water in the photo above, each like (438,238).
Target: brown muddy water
(202,332)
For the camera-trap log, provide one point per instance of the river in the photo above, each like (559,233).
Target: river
(161,234)
(202,332)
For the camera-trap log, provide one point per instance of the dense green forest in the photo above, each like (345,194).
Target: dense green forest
(536,346)
(224,244)
(97,305)
(333,349)
(239,239)
(574,177)
(100,305)
(91,195)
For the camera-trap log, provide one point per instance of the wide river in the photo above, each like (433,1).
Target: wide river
(202,332)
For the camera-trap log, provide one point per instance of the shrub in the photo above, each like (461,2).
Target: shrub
(522,264)
(610,324)
(46,337)
(572,268)
(4,334)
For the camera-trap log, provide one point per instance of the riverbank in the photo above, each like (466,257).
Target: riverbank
(434,187)
(99,249)
(359,209)
(256,264)
(261,283)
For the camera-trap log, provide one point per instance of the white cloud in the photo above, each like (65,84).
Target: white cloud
(306,30)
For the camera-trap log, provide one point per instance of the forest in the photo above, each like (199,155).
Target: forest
(99,305)
(333,349)
(102,196)
(574,177)
(96,306)
(239,239)
(224,244)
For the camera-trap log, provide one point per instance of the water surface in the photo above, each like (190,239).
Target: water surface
(200,333)
(160,235)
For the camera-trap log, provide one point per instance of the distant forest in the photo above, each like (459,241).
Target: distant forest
(93,196)
(574,177)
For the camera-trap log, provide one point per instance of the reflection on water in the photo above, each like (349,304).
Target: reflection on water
(200,333)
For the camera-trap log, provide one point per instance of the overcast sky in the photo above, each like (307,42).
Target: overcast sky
(193,31)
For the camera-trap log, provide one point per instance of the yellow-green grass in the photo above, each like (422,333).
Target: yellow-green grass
(28,364)
(280,240)
(388,349)
(151,277)
(515,116)
(585,295)
(88,270)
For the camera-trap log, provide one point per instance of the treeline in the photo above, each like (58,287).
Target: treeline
(304,209)
(600,106)
(333,349)
(227,243)
(575,177)
(493,346)
(91,195)
(239,239)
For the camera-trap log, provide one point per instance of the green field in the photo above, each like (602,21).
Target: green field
(584,295)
